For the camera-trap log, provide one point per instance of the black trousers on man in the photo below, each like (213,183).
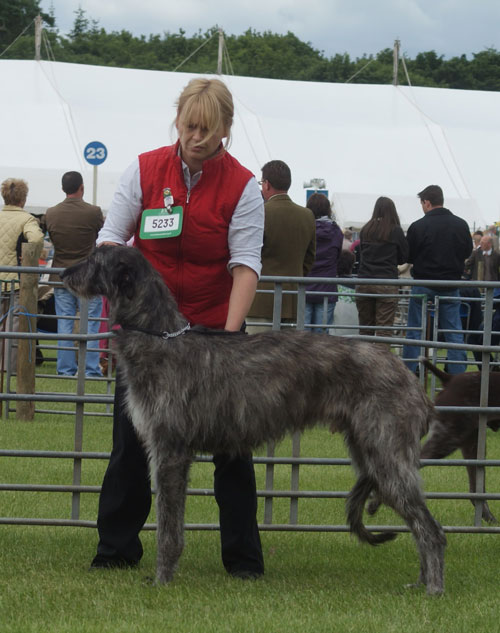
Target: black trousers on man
(125,501)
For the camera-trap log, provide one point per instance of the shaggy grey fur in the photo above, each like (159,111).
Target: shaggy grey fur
(230,393)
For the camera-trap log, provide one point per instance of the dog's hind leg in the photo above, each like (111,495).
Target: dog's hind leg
(469,451)
(171,471)
(431,544)
(408,501)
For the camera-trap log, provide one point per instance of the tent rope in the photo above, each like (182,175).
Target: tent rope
(20,35)
(193,53)
(360,70)
(68,114)
(227,60)
(427,118)
(406,71)
(48,47)
(249,138)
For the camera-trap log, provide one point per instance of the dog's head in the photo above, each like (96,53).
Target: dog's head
(137,294)
(111,271)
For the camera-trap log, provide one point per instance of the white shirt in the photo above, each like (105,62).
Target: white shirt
(246,229)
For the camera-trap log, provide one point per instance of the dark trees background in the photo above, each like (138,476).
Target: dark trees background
(251,54)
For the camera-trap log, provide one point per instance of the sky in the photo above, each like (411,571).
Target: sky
(356,27)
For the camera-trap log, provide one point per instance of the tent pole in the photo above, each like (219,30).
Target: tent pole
(395,70)
(219,57)
(38,36)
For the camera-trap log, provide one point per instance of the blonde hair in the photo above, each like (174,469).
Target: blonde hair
(14,191)
(206,102)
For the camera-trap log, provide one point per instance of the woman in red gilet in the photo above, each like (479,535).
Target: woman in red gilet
(209,257)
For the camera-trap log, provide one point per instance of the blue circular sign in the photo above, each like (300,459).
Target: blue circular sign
(95,153)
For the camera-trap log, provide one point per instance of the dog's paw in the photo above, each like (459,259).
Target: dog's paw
(163,578)
(489,518)
(413,585)
(435,591)
(431,590)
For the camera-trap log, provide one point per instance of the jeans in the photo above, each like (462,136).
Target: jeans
(314,315)
(448,319)
(67,304)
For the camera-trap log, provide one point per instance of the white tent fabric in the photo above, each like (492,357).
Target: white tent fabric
(363,140)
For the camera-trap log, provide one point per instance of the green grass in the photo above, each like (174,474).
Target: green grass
(314,582)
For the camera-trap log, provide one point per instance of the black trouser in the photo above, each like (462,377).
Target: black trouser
(125,500)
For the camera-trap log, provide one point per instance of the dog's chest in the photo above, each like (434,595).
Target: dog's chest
(141,418)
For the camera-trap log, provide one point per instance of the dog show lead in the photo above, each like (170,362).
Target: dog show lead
(197,215)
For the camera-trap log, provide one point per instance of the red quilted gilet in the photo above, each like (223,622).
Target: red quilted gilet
(194,264)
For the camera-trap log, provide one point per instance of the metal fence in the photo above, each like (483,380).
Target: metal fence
(429,344)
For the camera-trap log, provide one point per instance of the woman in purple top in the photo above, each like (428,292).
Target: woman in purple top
(329,238)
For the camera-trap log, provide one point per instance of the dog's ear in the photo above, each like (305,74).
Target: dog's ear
(124,280)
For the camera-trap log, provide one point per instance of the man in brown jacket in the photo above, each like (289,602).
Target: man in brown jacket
(73,226)
(484,263)
(289,243)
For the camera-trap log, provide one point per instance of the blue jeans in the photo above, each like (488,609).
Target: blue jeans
(314,315)
(448,319)
(67,304)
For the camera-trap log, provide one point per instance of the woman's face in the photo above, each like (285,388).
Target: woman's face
(194,148)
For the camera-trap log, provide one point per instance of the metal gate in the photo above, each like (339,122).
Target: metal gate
(79,398)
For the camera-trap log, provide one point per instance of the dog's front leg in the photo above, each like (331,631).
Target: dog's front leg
(171,472)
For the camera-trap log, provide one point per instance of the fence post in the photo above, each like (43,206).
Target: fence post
(26,352)
(483,402)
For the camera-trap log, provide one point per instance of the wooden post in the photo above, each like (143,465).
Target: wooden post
(26,353)
(395,64)
(220,53)
(38,36)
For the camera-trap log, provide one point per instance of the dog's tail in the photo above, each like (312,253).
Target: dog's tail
(442,375)
(355,506)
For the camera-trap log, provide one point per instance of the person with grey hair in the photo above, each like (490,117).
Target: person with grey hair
(16,224)
(484,263)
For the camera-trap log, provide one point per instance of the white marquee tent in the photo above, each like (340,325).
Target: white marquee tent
(363,140)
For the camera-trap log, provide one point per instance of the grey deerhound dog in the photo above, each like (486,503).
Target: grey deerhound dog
(194,389)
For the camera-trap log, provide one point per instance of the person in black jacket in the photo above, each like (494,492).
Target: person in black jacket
(383,246)
(440,242)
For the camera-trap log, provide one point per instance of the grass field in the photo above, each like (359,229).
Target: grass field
(313,582)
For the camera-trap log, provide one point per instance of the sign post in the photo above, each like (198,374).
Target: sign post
(95,153)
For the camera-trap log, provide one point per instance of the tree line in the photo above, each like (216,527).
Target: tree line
(251,54)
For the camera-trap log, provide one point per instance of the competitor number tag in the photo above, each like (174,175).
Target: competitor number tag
(161,223)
